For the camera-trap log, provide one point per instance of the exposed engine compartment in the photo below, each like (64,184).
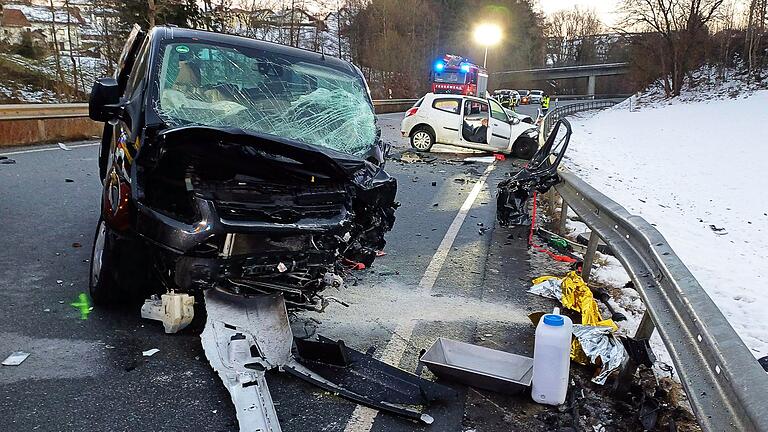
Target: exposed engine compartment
(285,216)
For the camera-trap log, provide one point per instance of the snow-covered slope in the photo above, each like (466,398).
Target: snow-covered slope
(697,171)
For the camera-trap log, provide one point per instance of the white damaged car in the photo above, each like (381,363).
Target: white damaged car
(470,122)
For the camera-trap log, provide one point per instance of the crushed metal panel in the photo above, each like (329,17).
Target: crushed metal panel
(234,325)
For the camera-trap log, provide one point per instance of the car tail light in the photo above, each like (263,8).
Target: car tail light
(411,111)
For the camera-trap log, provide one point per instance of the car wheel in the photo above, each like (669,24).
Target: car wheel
(422,139)
(525,148)
(102,286)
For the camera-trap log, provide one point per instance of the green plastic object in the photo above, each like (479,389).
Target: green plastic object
(83,305)
(558,242)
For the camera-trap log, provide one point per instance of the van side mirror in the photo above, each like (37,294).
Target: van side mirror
(103,105)
(515,120)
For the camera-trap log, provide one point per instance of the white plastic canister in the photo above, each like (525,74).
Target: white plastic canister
(552,359)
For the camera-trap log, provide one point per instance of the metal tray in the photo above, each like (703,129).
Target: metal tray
(479,367)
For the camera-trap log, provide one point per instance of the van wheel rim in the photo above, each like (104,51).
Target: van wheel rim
(421,140)
(98,253)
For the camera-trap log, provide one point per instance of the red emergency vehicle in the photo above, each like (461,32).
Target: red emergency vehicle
(457,75)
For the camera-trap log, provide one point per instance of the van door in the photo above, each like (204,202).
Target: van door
(499,127)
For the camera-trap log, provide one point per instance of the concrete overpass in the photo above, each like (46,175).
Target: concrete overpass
(583,71)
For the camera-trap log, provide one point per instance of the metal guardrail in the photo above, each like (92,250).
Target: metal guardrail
(77,110)
(725,384)
(43,111)
(559,112)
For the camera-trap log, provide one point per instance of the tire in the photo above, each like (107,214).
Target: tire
(525,148)
(422,139)
(101,283)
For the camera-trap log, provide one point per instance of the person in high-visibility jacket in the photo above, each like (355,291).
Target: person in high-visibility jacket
(544,104)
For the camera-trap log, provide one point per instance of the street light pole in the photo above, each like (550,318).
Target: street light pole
(487,35)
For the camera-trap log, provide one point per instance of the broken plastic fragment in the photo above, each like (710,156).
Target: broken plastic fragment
(83,305)
(150,352)
(64,147)
(281,268)
(15,358)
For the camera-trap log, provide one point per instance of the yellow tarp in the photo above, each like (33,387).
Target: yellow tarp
(578,297)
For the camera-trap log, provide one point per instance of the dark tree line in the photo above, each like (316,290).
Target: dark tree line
(397,41)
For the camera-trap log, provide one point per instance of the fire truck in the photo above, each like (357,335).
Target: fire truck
(457,75)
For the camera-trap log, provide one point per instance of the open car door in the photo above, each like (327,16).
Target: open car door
(499,127)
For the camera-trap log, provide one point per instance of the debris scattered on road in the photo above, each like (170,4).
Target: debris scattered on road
(6,161)
(76,245)
(478,366)
(411,157)
(434,183)
(150,352)
(174,310)
(480,159)
(64,147)
(82,304)
(68,180)
(15,358)
(59,281)
(538,175)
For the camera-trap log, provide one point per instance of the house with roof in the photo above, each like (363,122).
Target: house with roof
(41,23)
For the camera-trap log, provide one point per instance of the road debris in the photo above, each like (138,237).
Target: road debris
(6,161)
(597,333)
(246,336)
(64,147)
(16,358)
(83,305)
(150,352)
(538,175)
(479,366)
(68,180)
(480,159)
(173,309)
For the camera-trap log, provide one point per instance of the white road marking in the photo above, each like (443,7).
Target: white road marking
(362,417)
(37,150)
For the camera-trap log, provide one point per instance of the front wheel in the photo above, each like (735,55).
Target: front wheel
(422,140)
(525,148)
(102,286)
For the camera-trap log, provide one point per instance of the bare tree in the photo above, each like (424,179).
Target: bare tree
(681,27)
(571,36)
(56,52)
(755,33)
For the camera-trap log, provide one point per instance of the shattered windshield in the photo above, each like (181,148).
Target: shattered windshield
(256,90)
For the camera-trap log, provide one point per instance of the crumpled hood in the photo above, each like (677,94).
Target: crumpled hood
(246,148)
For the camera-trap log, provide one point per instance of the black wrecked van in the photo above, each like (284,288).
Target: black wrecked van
(235,164)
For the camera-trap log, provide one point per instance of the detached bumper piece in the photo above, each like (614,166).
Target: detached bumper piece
(245,337)
(361,378)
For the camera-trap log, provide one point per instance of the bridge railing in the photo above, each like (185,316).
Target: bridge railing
(725,384)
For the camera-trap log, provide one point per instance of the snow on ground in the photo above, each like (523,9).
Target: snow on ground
(695,170)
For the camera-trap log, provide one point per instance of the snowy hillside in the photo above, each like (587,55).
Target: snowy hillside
(695,170)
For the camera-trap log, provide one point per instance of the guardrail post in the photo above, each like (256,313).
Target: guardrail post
(563,217)
(589,255)
(646,327)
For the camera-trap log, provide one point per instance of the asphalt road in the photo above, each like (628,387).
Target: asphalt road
(90,374)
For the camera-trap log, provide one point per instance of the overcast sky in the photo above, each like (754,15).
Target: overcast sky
(605,8)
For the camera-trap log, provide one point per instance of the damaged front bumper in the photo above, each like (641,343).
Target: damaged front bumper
(224,224)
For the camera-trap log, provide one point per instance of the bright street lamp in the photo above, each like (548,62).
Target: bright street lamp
(487,35)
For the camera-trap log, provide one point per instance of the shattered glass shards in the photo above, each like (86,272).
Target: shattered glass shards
(306,102)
